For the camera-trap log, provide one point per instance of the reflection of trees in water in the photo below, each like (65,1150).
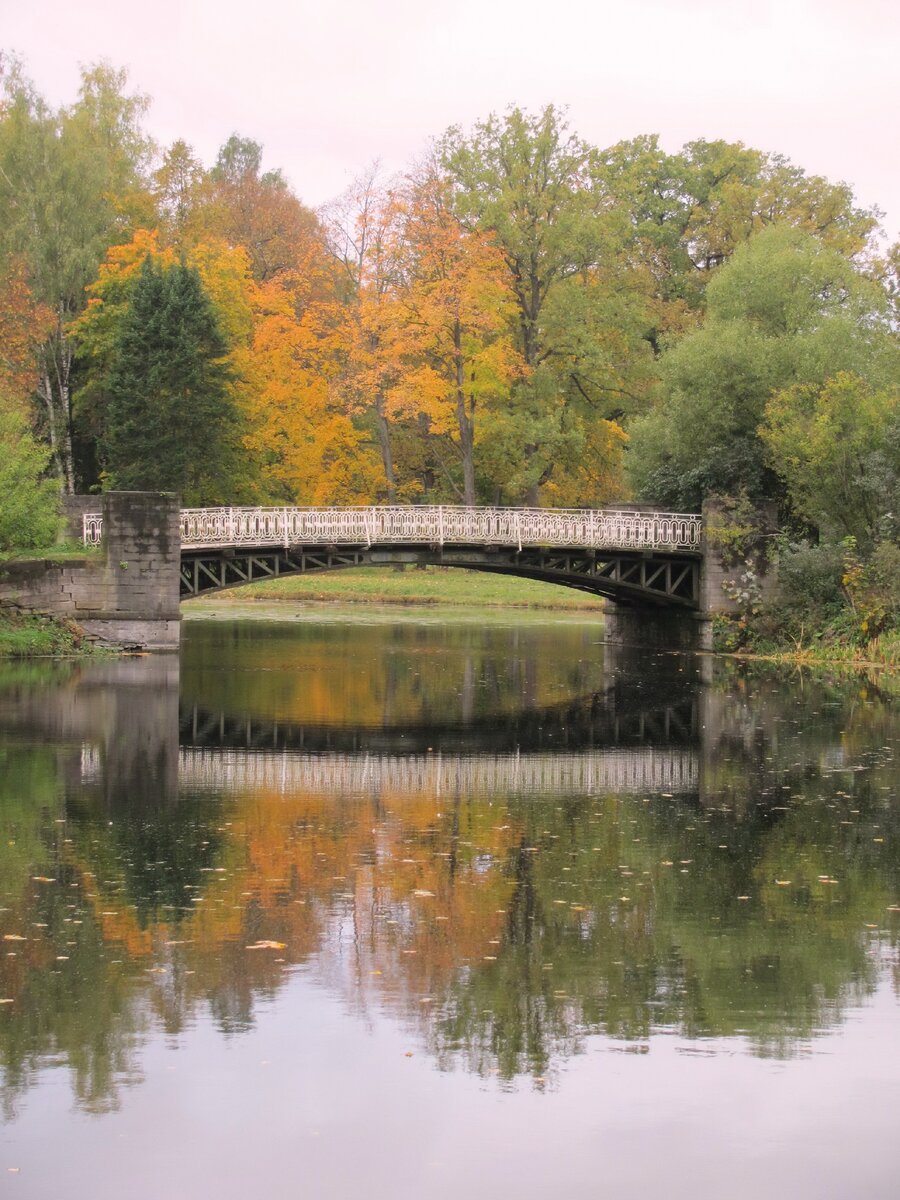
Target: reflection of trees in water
(72,1002)
(506,927)
(619,940)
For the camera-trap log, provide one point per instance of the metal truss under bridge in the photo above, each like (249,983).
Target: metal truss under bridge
(626,555)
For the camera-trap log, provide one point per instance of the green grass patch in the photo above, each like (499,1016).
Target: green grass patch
(61,552)
(446,586)
(819,647)
(28,635)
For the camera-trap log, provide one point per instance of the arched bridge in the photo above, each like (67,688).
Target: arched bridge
(627,555)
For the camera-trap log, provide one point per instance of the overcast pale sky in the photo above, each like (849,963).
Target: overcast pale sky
(327,88)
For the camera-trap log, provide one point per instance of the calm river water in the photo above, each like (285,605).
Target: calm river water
(397,906)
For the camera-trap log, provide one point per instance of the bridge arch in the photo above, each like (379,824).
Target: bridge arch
(651,579)
(631,556)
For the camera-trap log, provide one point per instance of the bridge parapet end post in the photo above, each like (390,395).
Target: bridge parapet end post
(136,601)
(125,595)
(74,510)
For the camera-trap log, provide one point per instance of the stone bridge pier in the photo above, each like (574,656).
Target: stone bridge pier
(126,591)
(654,626)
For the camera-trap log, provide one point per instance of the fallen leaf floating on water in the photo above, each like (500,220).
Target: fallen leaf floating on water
(267,946)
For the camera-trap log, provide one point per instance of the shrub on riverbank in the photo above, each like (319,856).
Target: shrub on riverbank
(831,603)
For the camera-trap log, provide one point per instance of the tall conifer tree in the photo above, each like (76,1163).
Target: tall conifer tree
(171,424)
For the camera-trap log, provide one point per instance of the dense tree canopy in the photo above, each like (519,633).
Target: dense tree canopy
(71,182)
(520,317)
(28,516)
(785,310)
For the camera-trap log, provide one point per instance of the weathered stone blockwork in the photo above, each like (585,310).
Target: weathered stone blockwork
(656,628)
(125,595)
(721,580)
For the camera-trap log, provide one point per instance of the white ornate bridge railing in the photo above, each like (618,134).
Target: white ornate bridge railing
(606,529)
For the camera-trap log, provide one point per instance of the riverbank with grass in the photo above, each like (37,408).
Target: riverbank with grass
(437,586)
(766,638)
(882,652)
(30,635)
(62,552)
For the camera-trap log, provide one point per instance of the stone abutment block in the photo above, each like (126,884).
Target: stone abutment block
(125,594)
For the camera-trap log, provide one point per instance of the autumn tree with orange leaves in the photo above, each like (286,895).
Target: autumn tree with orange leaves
(454,307)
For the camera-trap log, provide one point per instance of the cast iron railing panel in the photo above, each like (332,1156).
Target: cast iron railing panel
(432,525)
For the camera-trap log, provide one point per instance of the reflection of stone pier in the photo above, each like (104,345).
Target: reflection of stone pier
(122,716)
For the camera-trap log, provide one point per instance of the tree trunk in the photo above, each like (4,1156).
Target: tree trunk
(387,458)
(45,391)
(56,394)
(465,422)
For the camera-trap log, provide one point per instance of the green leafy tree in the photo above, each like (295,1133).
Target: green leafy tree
(28,499)
(785,310)
(684,214)
(71,182)
(837,447)
(530,183)
(170,423)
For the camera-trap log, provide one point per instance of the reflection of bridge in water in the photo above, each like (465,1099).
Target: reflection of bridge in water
(591,746)
(636,769)
(603,720)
